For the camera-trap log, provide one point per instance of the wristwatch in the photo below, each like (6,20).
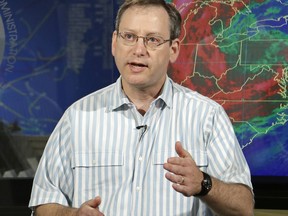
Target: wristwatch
(206,185)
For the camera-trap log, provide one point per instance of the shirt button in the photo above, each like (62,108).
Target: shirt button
(140,158)
(138,188)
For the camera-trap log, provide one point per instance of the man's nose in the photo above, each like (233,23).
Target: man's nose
(140,47)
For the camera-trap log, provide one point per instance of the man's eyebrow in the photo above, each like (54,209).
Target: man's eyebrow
(127,30)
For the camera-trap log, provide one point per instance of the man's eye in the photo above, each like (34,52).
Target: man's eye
(129,36)
(154,40)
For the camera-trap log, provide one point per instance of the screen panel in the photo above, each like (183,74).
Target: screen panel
(235,52)
(51,54)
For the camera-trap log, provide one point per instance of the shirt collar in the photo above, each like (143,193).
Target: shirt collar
(167,93)
(121,101)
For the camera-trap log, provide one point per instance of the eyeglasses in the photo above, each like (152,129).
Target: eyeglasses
(150,41)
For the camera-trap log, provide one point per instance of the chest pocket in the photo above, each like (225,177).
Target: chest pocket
(200,157)
(98,170)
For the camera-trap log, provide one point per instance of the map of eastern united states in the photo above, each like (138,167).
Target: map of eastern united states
(236,52)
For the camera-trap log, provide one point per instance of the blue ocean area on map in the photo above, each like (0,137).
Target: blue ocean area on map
(276,16)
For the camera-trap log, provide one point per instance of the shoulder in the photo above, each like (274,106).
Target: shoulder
(190,97)
(94,100)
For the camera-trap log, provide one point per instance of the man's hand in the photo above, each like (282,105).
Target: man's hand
(90,208)
(183,172)
(224,198)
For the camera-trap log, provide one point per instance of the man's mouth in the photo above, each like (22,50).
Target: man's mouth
(136,64)
(137,67)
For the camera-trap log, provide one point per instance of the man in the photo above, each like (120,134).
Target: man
(143,145)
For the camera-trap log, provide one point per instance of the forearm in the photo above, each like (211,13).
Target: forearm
(55,210)
(230,199)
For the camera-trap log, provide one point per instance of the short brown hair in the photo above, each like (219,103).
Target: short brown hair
(174,15)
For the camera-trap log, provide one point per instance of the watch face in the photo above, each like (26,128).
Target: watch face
(207,184)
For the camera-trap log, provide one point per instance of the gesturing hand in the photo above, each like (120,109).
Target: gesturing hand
(183,172)
(90,208)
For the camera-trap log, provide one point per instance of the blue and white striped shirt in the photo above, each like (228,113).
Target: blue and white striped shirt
(96,149)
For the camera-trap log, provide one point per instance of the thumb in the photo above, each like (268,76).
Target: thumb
(94,203)
(181,151)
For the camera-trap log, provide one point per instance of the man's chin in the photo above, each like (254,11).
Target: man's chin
(135,81)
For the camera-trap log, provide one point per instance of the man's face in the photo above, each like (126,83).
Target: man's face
(140,66)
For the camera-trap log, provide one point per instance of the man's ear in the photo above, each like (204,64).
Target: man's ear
(174,50)
(113,43)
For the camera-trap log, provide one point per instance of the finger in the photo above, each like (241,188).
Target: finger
(181,189)
(174,166)
(181,151)
(94,203)
(177,179)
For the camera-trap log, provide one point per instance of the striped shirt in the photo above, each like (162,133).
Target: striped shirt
(95,149)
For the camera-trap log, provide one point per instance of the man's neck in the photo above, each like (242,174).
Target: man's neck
(142,97)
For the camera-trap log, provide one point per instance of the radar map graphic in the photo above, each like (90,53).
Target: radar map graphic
(235,52)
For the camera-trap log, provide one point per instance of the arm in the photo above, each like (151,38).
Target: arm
(229,199)
(55,209)
(90,207)
(224,198)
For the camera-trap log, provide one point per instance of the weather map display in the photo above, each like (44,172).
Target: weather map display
(235,52)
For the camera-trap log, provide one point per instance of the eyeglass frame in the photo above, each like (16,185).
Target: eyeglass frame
(145,39)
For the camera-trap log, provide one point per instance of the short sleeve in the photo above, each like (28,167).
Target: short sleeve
(225,157)
(53,179)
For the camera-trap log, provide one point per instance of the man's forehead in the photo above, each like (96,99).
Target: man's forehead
(155,15)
